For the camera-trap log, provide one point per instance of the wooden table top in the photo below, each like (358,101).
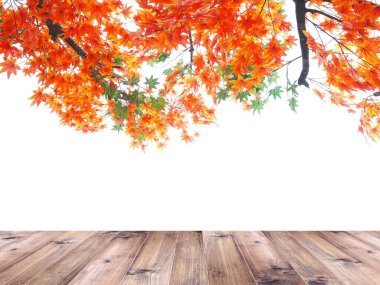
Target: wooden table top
(178,258)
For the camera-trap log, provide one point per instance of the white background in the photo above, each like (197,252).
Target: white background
(277,170)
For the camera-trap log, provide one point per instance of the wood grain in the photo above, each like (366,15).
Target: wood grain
(20,248)
(309,267)
(63,271)
(7,238)
(371,238)
(189,266)
(189,258)
(346,267)
(154,262)
(22,271)
(362,251)
(225,264)
(112,263)
(266,264)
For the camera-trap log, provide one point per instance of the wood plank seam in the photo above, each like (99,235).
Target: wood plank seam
(245,261)
(36,249)
(171,266)
(344,265)
(321,257)
(189,266)
(154,260)
(320,279)
(225,262)
(138,253)
(95,242)
(284,257)
(24,269)
(356,255)
(110,264)
(204,256)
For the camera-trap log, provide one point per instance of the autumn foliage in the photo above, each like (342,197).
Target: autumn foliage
(91,59)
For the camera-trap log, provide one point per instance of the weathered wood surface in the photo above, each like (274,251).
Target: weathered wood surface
(189,258)
(65,269)
(226,265)
(264,261)
(189,265)
(111,264)
(345,266)
(311,269)
(153,264)
(24,270)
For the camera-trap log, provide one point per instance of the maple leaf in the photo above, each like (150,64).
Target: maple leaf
(319,93)
(38,97)
(10,67)
(216,49)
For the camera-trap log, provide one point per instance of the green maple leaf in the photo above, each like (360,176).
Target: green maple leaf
(118,128)
(163,56)
(158,103)
(243,95)
(222,95)
(151,82)
(293,104)
(168,71)
(118,60)
(132,82)
(257,105)
(120,110)
(276,92)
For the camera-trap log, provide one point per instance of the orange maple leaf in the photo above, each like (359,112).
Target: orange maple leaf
(10,66)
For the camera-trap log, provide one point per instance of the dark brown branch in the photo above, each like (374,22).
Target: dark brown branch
(262,7)
(75,47)
(39,6)
(323,13)
(56,31)
(301,27)
(191,50)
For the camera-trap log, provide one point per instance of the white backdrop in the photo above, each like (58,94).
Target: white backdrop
(277,170)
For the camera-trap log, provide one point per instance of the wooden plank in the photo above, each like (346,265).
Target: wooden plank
(189,266)
(10,237)
(112,263)
(13,234)
(64,270)
(154,262)
(225,263)
(265,263)
(372,238)
(362,251)
(308,266)
(346,267)
(22,247)
(36,262)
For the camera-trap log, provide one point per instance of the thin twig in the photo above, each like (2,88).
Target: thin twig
(323,13)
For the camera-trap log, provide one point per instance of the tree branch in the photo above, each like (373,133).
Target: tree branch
(75,47)
(56,31)
(323,13)
(191,50)
(301,26)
